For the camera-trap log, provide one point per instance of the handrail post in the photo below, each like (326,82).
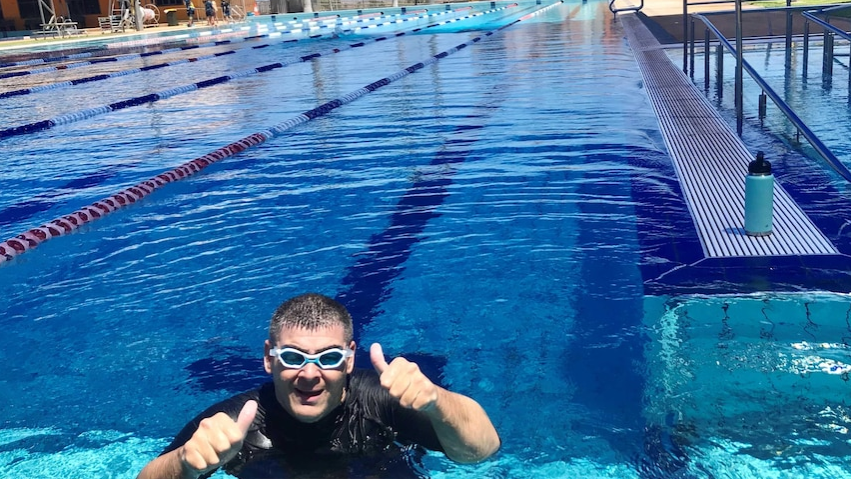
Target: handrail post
(801,127)
(806,48)
(719,69)
(739,67)
(827,57)
(788,25)
(685,36)
(691,65)
(706,60)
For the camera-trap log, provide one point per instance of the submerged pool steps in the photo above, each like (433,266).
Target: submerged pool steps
(711,162)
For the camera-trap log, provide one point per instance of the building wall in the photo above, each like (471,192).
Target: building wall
(11,12)
(12,19)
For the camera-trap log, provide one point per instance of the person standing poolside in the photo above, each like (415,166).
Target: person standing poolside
(321,417)
(210,12)
(226,11)
(190,11)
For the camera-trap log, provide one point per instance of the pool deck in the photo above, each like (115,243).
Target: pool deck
(10,44)
(665,14)
(664,18)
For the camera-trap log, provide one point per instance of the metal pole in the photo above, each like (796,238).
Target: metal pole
(827,57)
(739,68)
(849,78)
(806,48)
(706,60)
(50,8)
(685,36)
(691,61)
(788,25)
(719,69)
(137,9)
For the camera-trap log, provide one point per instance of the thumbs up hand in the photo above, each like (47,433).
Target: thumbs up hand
(404,380)
(216,441)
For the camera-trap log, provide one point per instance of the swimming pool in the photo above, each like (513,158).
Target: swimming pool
(490,215)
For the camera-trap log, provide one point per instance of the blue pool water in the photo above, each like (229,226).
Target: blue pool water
(492,216)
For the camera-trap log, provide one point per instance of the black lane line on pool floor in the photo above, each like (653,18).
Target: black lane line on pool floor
(69,223)
(26,209)
(609,326)
(367,282)
(154,97)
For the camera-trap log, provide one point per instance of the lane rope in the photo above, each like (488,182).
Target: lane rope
(57,85)
(119,58)
(69,223)
(154,97)
(201,34)
(182,38)
(297,27)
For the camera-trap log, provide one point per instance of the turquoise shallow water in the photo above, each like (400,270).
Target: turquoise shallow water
(482,215)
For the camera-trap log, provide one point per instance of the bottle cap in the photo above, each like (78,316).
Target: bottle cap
(759,166)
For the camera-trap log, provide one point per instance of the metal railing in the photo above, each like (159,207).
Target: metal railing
(686,22)
(631,8)
(829,32)
(803,129)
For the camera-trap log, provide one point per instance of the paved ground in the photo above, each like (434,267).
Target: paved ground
(665,19)
(8,45)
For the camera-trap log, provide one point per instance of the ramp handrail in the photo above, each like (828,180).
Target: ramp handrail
(816,143)
(810,15)
(625,9)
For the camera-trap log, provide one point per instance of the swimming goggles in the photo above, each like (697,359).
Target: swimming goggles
(294,359)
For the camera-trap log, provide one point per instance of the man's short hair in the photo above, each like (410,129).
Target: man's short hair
(310,311)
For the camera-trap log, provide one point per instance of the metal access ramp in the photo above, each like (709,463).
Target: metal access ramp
(711,163)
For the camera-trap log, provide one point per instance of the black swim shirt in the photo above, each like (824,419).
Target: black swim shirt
(369,435)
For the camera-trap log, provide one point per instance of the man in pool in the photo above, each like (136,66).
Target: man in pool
(321,417)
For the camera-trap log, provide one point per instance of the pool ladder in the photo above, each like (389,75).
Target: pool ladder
(632,8)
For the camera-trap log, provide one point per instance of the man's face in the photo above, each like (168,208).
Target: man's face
(309,393)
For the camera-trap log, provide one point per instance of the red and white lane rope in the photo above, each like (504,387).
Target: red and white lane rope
(68,223)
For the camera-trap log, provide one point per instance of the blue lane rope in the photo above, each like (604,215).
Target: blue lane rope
(27,91)
(69,223)
(116,48)
(105,76)
(343,21)
(120,58)
(153,97)
(38,61)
